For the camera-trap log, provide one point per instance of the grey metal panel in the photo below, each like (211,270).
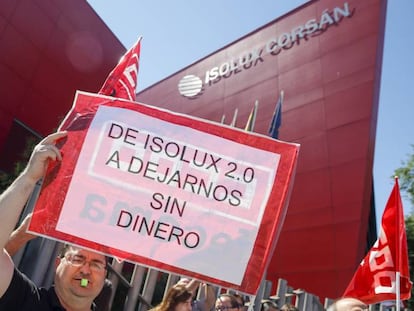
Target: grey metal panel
(116,266)
(149,287)
(134,291)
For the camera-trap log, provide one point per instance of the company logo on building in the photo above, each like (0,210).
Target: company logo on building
(191,85)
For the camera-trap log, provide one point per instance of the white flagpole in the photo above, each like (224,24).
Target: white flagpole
(398,250)
(397,289)
(233,122)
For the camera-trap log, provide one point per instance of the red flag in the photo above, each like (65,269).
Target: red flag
(122,81)
(375,279)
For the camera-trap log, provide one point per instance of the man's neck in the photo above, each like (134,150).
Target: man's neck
(75,303)
(73,306)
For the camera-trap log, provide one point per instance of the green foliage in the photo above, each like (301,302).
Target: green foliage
(405,175)
(7,179)
(409,229)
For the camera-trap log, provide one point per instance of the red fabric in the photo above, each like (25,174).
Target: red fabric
(375,279)
(122,81)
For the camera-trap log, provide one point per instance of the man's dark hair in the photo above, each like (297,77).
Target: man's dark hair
(240,299)
(233,300)
(66,247)
(268,304)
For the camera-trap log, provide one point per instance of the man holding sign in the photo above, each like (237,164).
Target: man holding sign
(80,274)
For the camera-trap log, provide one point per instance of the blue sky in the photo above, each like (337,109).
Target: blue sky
(178,33)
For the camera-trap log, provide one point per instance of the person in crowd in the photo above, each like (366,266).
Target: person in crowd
(226,302)
(348,304)
(207,302)
(79,274)
(269,305)
(288,307)
(241,301)
(20,237)
(177,298)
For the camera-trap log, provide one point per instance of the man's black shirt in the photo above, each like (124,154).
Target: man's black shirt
(23,295)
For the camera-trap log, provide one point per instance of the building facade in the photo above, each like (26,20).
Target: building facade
(326,57)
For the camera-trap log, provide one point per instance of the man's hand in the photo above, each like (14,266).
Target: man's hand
(45,151)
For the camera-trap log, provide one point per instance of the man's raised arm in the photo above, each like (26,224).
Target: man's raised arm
(14,198)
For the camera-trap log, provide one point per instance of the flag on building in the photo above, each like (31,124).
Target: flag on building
(122,81)
(252,118)
(375,279)
(277,117)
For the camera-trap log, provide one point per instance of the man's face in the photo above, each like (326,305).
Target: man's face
(224,304)
(78,265)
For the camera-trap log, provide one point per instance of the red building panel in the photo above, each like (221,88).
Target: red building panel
(48,51)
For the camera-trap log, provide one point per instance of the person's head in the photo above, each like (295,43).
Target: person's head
(226,302)
(288,307)
(348,304)
(240,301)
(80,274)
(183,281)
(178,298)
(268,305)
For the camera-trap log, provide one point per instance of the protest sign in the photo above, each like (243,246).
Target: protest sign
(169,191)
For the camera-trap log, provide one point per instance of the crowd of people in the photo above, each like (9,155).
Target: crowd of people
(80,274)
(179,298)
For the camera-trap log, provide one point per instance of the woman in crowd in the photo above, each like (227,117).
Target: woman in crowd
(178,298)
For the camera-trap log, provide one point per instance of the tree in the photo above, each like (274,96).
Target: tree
(409,228)
(405,175)
(7,178)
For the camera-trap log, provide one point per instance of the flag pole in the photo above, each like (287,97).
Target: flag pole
(233,122)
(397,288)
(398,248)
(252,118)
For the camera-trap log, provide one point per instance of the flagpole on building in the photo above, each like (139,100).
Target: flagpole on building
(233,122)
(252,118)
